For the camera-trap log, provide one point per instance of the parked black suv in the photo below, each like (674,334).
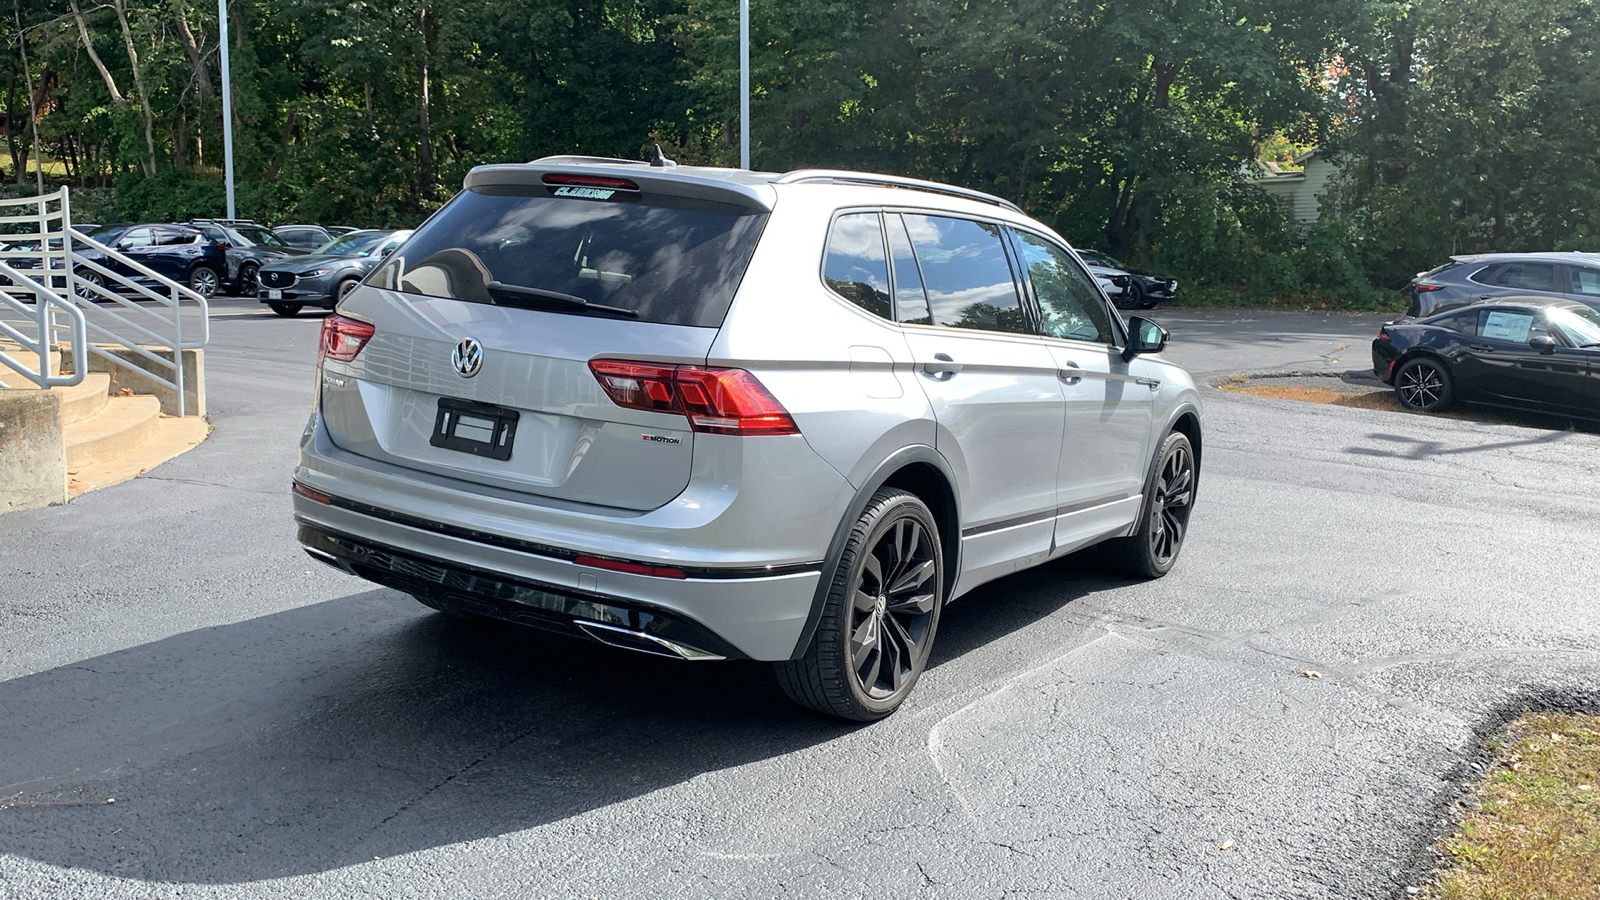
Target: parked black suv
(248,245)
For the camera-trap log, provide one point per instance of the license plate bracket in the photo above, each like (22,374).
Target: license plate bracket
(468,426)
(274,295)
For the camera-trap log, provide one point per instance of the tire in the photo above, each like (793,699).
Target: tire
(1134,298)
(882,608)
(1164,521)
(344,287)
(203,280)
(249,280)
(1424,384)
(92,277)
(287,310)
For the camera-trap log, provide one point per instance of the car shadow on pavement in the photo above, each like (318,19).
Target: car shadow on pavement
(363,727)
(331,734)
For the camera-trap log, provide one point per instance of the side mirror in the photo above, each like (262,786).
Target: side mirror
(1144,336)
(1543,343)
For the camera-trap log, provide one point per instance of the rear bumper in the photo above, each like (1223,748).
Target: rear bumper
(752,563)
(461,588)
(1384,357)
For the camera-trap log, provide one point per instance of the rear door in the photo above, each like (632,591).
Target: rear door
(991,382)
(466,344)
(1110,404)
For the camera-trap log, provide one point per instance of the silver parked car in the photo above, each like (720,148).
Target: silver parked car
(709,413)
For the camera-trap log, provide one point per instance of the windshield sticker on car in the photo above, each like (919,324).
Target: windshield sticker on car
(1507,326)
(584,193)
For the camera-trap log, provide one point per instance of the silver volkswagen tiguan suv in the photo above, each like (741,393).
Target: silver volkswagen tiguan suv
(718,414)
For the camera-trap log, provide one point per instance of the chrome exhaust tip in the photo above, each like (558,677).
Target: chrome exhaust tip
(639,641)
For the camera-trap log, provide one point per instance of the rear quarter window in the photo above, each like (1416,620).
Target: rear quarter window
(672,260)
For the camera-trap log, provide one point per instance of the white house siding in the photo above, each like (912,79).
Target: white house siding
(1301,192)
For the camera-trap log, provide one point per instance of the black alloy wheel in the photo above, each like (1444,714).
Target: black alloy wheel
(1424,384)
(1136,298)
(1153,548)
(203,280)
(344,288)
(880,616)
(249,280)
(287,310)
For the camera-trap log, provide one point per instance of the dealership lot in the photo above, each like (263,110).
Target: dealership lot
(269,727)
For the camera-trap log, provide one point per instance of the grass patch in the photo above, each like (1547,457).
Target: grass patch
(1360,397)
(1534,830)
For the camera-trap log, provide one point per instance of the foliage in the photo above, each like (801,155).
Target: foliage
(1130,126)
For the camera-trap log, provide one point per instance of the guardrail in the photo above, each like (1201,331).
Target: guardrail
(84,289)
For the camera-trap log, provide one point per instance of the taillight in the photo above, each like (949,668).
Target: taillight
(714,400)
(599,181)
(1383,334)
(1425,288)
(343,338)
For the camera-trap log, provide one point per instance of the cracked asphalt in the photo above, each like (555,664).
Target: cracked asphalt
(268,727)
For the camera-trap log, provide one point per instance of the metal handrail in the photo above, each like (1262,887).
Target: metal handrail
(123,322)
(44,301)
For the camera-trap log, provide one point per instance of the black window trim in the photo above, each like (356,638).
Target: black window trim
(888,261)
(1117,325)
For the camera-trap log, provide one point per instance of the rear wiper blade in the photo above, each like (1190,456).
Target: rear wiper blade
(514,293)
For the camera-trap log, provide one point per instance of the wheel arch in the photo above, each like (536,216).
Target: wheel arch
(918,470)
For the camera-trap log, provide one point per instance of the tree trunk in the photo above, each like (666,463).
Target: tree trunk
(425,151)
(88,46)
(138,85)
(283,146)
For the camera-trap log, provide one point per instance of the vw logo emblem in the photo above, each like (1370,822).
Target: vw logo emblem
(467,357)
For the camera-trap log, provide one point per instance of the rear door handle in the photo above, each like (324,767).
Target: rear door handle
(1070,374)
(942,365)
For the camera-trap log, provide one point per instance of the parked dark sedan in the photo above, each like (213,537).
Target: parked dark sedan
(180,252)
(1538,354)
(1488,276)
(1145,288)
(323,278)
(249,247)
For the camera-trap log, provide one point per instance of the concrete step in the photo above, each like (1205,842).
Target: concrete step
(172,436)
(121,427)
(84,401)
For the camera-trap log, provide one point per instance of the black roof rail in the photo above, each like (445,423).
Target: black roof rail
(586,160)
(839,176)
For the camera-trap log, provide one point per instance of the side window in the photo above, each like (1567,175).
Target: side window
(1068,301)
(855,265)
(1486,275)
(1466,323)
(966,274)
(910,301)
(1508,325)
(138,237)
(1526,276)
(1585,281)
(169,237)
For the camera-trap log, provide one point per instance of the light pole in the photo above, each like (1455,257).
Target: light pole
(227,106)
(744,83)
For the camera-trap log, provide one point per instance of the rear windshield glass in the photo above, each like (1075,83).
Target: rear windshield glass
(672,260)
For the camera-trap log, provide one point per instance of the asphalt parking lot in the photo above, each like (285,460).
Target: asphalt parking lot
(268,727)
